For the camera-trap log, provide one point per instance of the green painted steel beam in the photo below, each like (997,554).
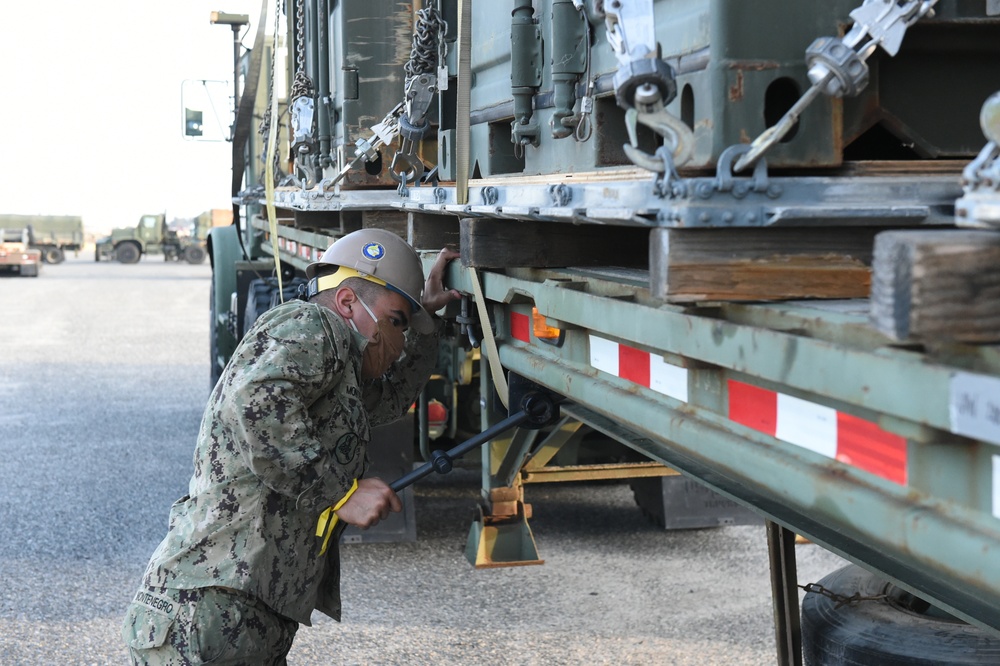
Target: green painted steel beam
(901,384)
(940,550)
(933,534)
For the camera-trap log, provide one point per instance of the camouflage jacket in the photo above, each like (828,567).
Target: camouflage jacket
(283,437)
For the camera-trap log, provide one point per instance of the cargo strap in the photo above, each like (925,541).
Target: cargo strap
(499,379)
(272,215)
(329,518)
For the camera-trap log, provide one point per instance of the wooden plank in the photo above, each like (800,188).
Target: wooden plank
(937,285)
(491,243)
(308,219)
(760,264)
(390,220)
(432,232)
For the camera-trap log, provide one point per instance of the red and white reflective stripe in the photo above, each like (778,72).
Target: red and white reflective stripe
(823,430)
(643,368)
(820,429)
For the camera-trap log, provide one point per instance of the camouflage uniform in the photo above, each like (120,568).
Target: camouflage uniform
(283,437)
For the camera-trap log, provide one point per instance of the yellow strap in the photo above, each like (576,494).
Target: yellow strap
(328,519)
(342,273)
(272,216)
(492,354)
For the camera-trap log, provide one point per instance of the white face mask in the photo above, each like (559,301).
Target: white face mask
(383,348)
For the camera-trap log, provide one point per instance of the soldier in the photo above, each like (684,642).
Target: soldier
(281,458)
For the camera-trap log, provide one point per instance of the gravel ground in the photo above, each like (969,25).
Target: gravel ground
(103,378)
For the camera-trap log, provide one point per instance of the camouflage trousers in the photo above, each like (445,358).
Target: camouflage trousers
(208,625)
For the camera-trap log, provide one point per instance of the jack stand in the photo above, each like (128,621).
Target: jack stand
(502,541)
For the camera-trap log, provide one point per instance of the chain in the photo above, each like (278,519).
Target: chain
(300,36)
(425,51)
(840,599)
(302,85)
(264,128)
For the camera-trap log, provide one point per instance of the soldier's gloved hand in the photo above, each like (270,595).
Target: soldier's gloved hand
(370,503)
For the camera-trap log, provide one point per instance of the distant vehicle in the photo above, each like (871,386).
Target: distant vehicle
(205,222)
(150,236)
(52,235)
(16,256)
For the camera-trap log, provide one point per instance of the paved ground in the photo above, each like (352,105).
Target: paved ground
(103,377)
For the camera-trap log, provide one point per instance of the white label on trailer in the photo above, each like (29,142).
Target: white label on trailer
(974,406)
(668,379)
(807,424)
(996,486)
(604,355)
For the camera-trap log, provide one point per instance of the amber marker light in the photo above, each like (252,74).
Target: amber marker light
(540,327)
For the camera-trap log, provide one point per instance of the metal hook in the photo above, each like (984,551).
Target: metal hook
(677,138)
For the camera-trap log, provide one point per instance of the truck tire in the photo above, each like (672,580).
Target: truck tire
(258,301)
(52,254)
(193,254)
(289,293)
(899,630)
(127,253)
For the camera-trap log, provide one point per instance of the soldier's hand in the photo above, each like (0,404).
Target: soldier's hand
(435,295)
(370,503)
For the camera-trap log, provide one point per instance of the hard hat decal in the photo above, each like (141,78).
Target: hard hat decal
(373,251)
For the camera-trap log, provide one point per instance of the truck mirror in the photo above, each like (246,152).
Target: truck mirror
(207,108)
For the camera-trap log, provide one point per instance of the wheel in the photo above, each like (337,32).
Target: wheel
(53,255)
(194,254)
(289,293)
(258,301)
(897,630)
(127,253)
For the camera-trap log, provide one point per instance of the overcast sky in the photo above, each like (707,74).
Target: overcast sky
(90,108)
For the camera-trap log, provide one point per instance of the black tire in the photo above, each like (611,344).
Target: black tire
(193,254)
(289,293)
(258,301)
(888,632)
(53,255)
(127,253)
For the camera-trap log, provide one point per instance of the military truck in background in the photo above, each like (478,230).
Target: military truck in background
(52,235)
(152,235)
(756,243)
(208,220)
(16,256)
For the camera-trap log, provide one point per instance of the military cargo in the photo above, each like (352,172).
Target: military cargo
(753,245)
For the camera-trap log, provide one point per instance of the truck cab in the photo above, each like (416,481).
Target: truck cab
(15,254)
(151,235)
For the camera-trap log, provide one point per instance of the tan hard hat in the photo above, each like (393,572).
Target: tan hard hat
(381,257)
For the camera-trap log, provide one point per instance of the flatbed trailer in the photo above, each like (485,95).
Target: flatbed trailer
(813,335)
